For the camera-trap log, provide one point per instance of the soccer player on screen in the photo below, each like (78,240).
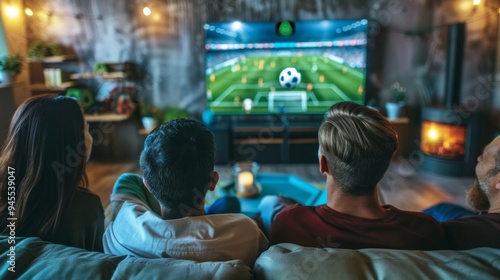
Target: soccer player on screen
(247,105)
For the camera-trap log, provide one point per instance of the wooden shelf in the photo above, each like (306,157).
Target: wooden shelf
(55,59)
(250,129)
(42,87)
(274,141)
(107,117)
(103,76)
(400,120)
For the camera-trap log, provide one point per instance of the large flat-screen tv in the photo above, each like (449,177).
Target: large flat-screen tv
(325,63)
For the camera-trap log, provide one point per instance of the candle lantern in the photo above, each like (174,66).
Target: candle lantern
(245,183)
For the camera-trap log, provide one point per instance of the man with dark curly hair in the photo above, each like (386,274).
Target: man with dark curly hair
(162,214)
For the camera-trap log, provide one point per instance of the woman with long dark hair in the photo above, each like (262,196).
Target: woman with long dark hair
(43,185)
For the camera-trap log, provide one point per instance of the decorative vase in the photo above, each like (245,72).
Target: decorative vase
(393,110)
(149,123)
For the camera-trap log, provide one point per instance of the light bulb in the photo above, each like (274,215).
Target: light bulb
(12,11)
(476,2)
(146,11)
(28,12)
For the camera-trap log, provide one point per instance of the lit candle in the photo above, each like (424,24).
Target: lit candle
(245,181)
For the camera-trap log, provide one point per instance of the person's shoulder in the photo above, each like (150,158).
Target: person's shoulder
(227,220)
(86,195)
(85,205)
(135,213)
(411,214)
(489,216)
(486,216)
(232,217)
(297,212)
(297,208)
(134,207)
(128,181)
(129,177)
(493,218)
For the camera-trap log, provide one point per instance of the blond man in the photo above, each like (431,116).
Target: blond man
(356,147)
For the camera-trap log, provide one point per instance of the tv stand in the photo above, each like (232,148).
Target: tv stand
(278,138)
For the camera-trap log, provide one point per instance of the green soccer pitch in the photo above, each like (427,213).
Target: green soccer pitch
(323,83)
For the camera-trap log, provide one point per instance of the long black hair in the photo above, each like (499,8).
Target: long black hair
(45,155)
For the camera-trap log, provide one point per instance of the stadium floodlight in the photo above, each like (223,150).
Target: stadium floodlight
(236,25)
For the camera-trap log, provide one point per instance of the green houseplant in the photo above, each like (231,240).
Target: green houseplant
(151,115)
(396,101)
(11,66)
(38,50)
(398,93)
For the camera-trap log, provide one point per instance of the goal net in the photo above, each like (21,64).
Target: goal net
(292,101)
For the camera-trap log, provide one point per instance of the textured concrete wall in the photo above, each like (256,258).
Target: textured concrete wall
(408,36)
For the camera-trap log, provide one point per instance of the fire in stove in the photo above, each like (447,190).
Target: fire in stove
(443,140)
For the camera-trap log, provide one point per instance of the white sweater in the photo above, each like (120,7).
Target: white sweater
(137,231)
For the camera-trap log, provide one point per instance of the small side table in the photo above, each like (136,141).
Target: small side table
(276,184)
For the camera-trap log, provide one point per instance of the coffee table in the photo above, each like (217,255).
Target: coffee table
(276,184)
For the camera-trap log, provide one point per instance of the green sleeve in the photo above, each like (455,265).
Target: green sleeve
(132,184)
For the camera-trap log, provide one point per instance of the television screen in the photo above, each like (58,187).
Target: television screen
(300,67)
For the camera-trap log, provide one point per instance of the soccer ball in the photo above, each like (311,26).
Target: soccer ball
(289,77)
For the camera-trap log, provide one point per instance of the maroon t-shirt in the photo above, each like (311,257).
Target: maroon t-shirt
(321,226)
(474,232)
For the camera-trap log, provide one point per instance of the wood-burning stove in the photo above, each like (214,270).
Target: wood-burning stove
(450,135)
(450,141)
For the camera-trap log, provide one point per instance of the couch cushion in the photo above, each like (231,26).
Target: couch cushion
(35,258)
(38,259)
(140,268)
(289,261)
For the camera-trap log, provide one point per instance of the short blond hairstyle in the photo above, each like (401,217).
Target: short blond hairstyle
(358,143)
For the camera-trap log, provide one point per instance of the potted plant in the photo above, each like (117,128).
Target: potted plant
(40,50)
(150,115)
(11,66)
(396,102)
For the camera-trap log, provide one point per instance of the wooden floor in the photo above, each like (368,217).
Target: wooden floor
(403,186)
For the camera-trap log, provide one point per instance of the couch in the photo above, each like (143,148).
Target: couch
(37,259)
(292,262)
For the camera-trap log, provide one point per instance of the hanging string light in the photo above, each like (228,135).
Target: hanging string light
(146,11)
(28,12)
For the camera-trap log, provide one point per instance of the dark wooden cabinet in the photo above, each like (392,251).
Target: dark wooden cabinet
(267,139)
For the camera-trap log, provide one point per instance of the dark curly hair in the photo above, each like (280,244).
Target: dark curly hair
(177,163)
